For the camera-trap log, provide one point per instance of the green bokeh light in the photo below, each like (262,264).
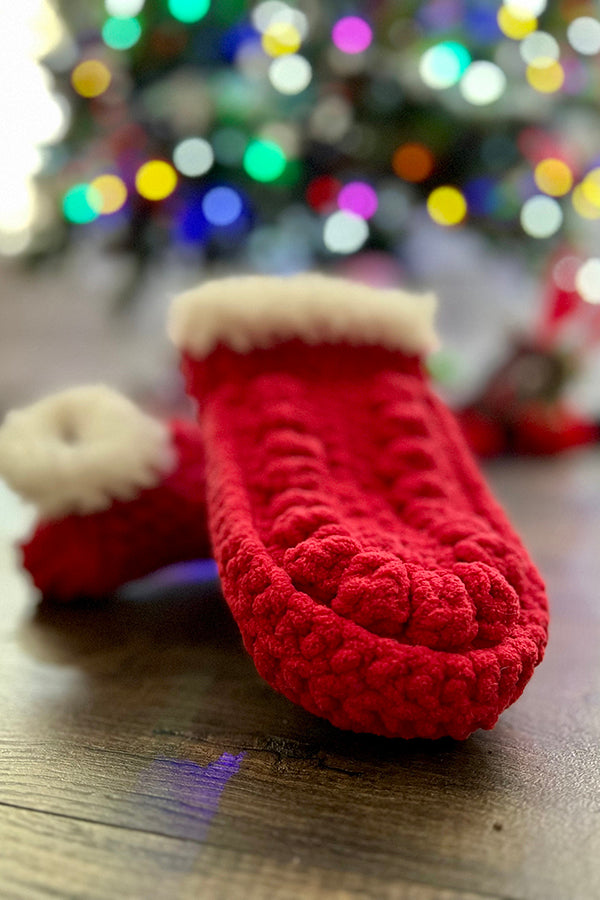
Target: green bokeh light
(189,10)
(460,53)
(82,204)
(264,160)
(121,34)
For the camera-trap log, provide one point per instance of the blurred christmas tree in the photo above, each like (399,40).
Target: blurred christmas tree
(285,135)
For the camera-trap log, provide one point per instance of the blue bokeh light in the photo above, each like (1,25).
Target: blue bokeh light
(222,205)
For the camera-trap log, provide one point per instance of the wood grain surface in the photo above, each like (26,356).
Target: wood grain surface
(142,757)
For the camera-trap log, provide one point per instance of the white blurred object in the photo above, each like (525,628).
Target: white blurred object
(486,295)
(32,114)
(16,516)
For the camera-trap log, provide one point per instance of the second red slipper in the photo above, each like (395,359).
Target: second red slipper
(119,494)
(375,580)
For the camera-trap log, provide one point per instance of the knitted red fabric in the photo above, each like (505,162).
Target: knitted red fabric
(92,555)
(375,580)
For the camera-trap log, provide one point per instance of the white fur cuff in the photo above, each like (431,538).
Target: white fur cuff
(260,311)
(77,451)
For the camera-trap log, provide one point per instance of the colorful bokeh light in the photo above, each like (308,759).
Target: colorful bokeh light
(590,187)
(264,160)
(565,271)
(413,162)
(447,205)
(121,34)
(582,206)
(188,11)
(514,25)
(322,192)
(81,204)
(352,34)
(90,78)
(481,23)
(359,198)
(554,177)
(443,65)
(156,179)
(112,193)
(481,195)
(222,206)
(191,226)
(545,75)
(281,38)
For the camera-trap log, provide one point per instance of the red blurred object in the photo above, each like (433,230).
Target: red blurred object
(521,409)
(485,436)
(322,192)
(92,555)
(545,430)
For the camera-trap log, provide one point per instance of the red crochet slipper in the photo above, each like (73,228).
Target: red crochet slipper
(375,580)
(119,494)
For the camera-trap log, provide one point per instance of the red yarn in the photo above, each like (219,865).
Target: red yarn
(92,555)
(375,580)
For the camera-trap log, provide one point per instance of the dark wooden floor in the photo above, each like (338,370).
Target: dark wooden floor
(142,757)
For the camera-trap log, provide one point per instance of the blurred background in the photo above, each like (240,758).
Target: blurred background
(449,144)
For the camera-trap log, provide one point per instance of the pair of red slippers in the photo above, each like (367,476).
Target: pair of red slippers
(373,577)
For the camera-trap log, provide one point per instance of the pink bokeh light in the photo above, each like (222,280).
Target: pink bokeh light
(352,34)
(359,198)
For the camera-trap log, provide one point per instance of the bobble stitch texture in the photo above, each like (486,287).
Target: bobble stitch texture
(393,596)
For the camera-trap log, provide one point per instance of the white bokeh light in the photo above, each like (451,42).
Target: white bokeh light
(290,74)
(587,280)
(123,9)
(584,35)
(273,12)
(345,232)
(539,45)
(541,216)
(193,156)
(483,83)
(526,9)
(31,114)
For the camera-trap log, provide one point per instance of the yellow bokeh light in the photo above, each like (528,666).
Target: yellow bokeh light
(546,75)
(590,187)
(90,78)
(112,192)
(554,177)
(281,38)
(515,26)
(447,206)
(583,206)
(156,179)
